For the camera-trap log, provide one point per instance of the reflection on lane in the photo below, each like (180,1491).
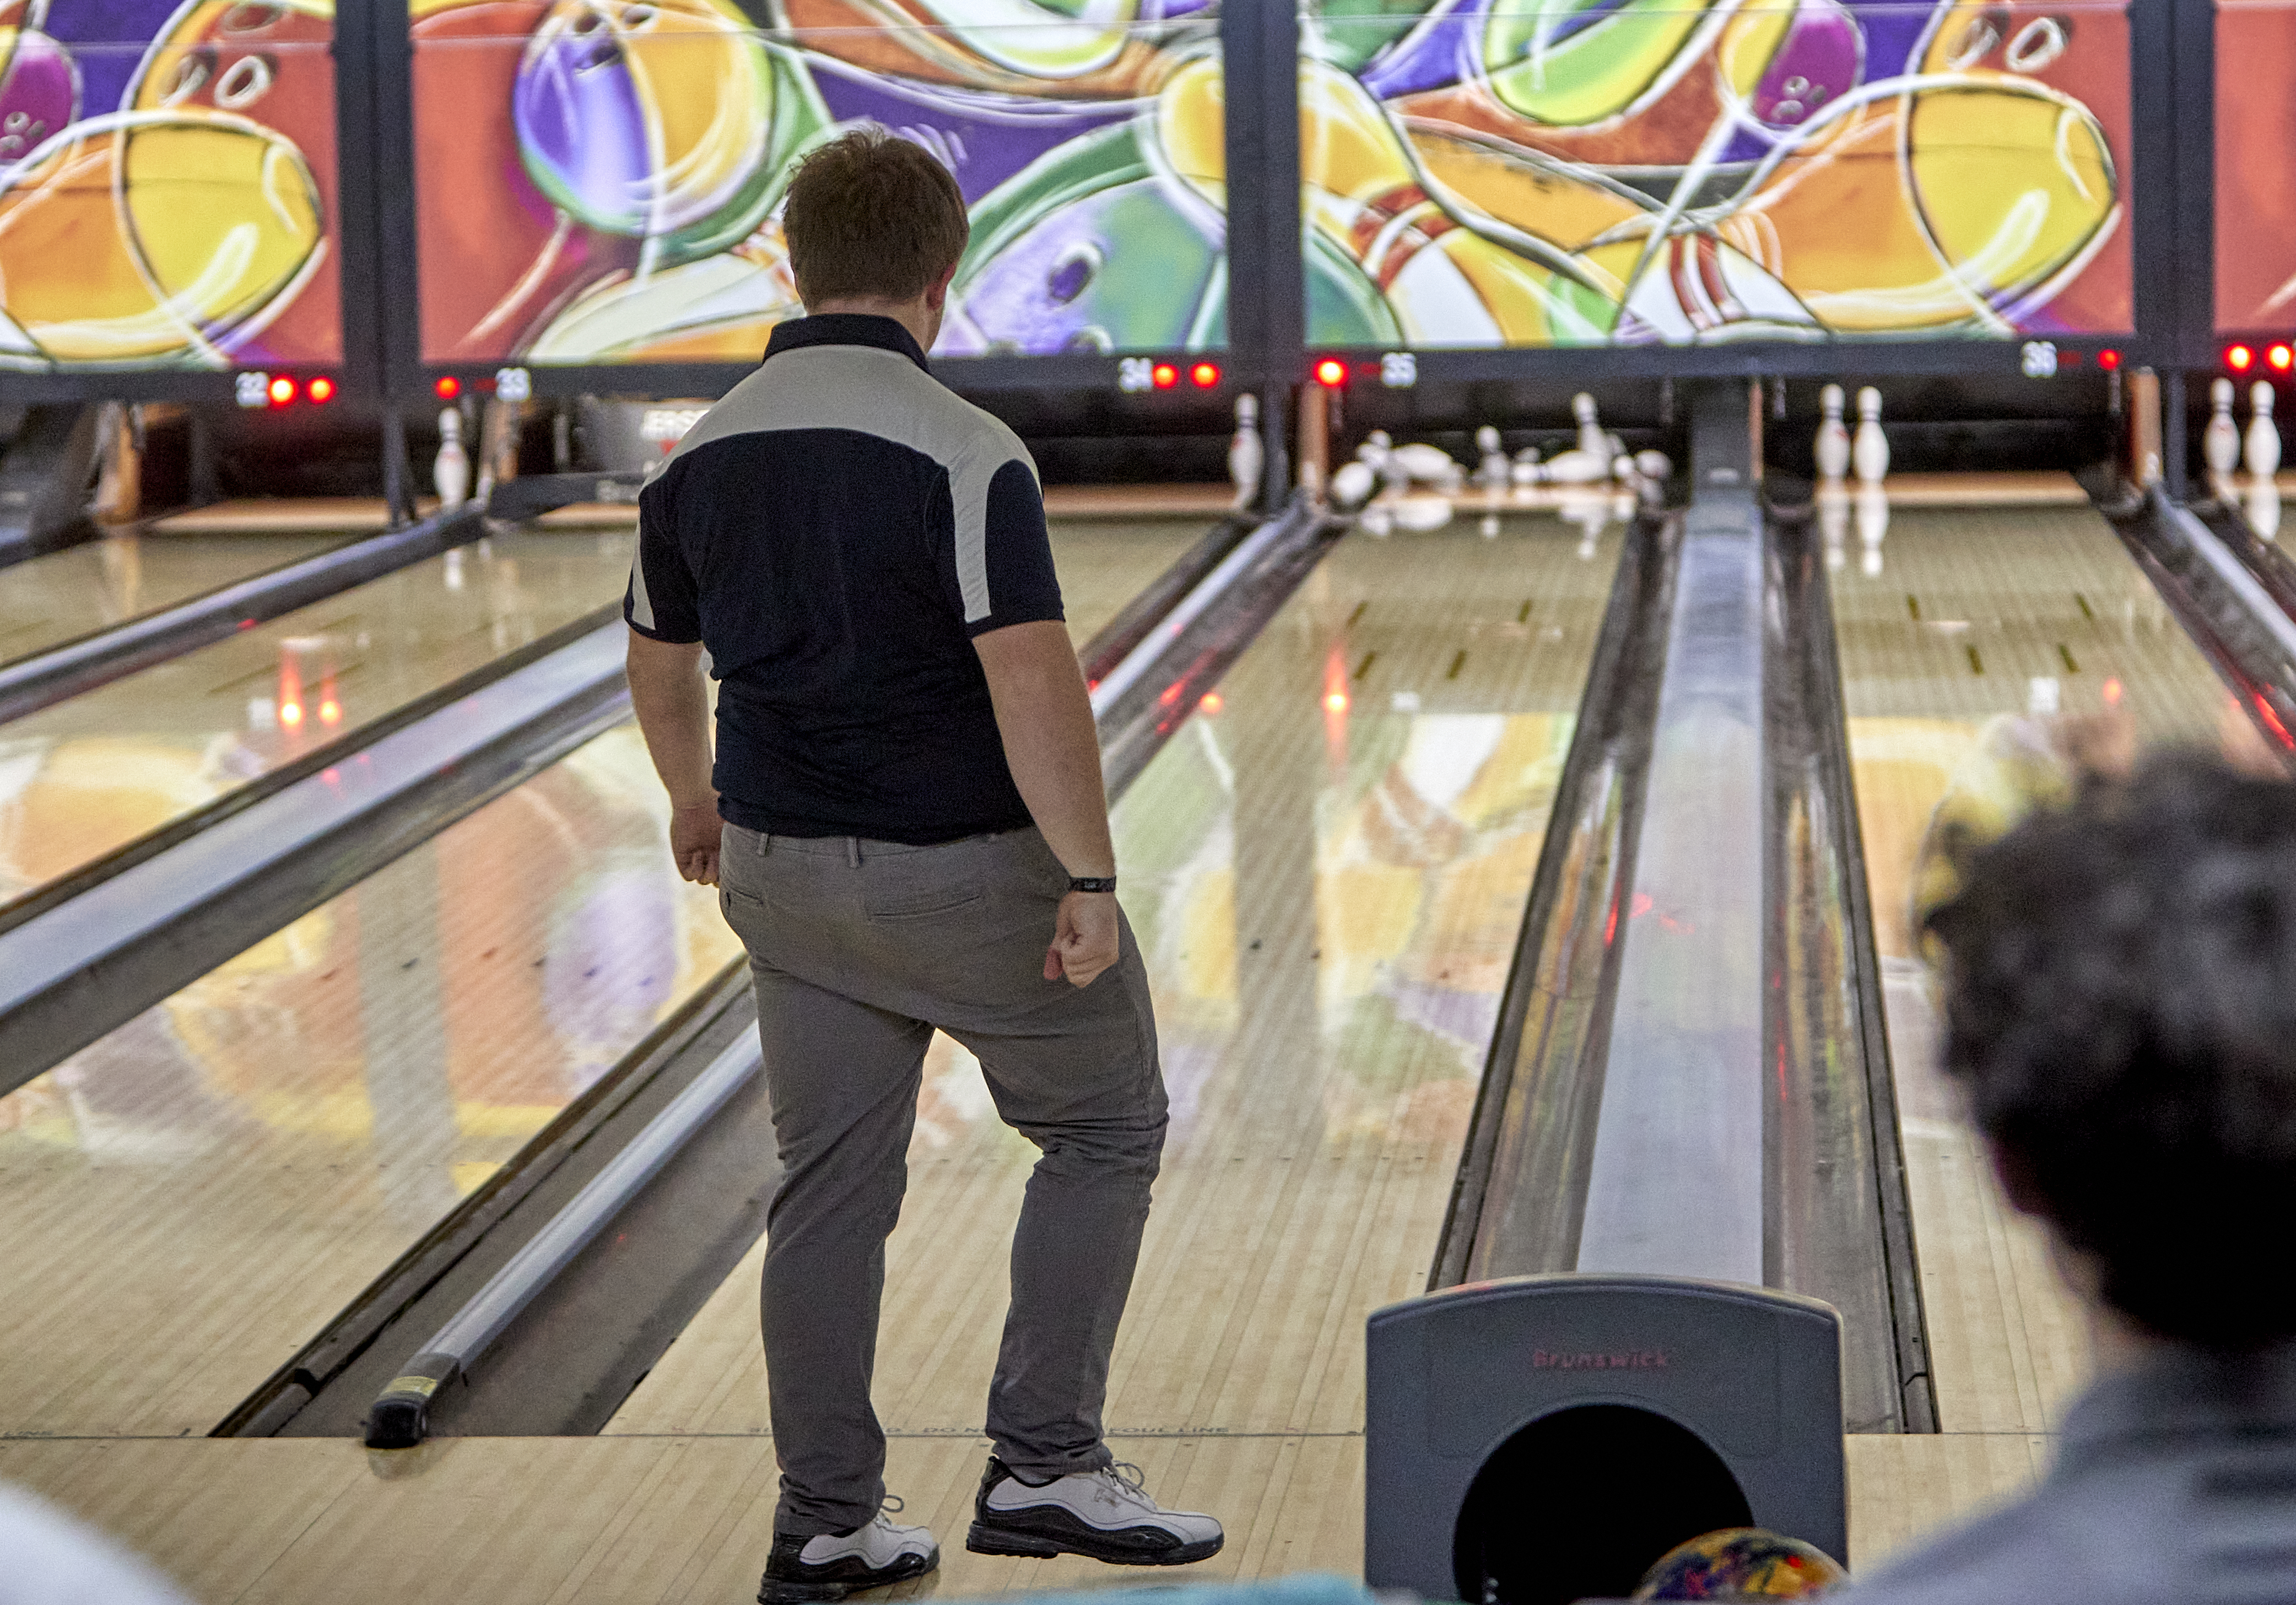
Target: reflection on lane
(1995,654)
(195,1194)
(84,777)
(61,596)
(1326,869)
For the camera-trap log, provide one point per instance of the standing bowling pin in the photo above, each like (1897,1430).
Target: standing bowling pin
(451,473)
(1870,453)
(2263,434)
(1592,440)
(1833,438)
(2220,441)
(1246,454)
(1495,469)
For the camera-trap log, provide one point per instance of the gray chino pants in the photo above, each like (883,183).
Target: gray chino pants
(858,949)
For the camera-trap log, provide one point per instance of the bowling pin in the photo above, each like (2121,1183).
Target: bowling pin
(2263,434)
(1869,454)
(1525,470)
(1376,453)
(1591,439)
(1427,465)
(451,472)
(1873,528)
(1656,467)
(1352,485)
(2220,441)
(1247,455)
(1495,469)
(1833,438)
(1575,467)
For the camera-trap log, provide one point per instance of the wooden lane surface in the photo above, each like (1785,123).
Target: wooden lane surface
(1941,655)
(196,1194)
(62,595)
(97,771)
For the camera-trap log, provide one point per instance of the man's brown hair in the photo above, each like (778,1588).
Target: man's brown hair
(873,215)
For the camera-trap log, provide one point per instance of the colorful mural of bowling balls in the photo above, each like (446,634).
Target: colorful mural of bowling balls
(651,119)
(142,237)
(39,91)
(1741,1563)
(1085,50)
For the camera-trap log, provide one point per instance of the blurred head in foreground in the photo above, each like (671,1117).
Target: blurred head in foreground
(2121,1012)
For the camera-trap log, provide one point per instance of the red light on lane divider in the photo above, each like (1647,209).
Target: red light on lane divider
(2281,357)
(283,391)
(321,390)
(449,387)
(290,714)
(2108,359)
(1331,373)
(2240,359)
(1164,375)
(1204,375)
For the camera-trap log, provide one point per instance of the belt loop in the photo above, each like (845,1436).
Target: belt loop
(853,850)
(765,843)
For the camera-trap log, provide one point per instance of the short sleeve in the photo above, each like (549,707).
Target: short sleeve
(661,601)
(1014,582)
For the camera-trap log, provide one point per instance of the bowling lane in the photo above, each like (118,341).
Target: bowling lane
(1326,869)
(48,601)
(191,1198)
(1991,647)
(88,775)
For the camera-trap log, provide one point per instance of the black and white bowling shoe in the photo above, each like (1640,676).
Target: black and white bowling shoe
(829,1566)
(1105,1515)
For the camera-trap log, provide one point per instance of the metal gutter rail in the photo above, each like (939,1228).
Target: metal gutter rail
(80,969)
(49,677)
(399,1419)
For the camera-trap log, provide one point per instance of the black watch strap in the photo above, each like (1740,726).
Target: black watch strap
(1092,883)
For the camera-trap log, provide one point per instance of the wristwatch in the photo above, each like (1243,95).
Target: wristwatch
(1092,883)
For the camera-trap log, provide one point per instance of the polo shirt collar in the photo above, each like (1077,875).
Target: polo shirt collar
(844,328)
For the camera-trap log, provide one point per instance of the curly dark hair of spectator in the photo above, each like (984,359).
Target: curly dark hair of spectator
(2121,1009)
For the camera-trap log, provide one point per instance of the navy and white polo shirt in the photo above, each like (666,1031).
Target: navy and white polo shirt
(836,531)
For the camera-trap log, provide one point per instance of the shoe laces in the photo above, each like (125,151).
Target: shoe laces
(1126,1484)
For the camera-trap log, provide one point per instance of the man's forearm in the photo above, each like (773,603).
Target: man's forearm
(1044,715)
(673,709)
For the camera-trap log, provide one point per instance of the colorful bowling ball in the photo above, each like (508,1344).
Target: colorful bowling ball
(39,91)
(150,236)
(1785,64)
(1741,1563)
(648,118)
(1572,62)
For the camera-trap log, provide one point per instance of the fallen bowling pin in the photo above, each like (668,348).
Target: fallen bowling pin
(1353,485)
(450,473)
(1524,473)
(1656,467)
(1574,467)
(1426,464)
